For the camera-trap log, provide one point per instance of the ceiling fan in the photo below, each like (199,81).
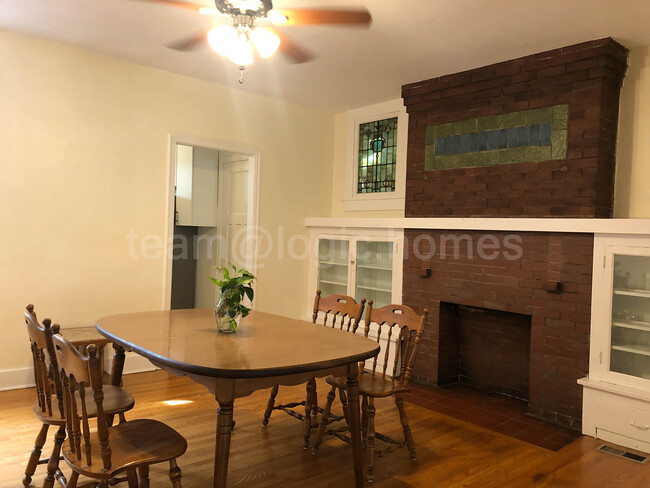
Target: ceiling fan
(252,22)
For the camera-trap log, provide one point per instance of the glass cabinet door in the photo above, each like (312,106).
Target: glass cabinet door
(630,331)
(333,258)
(374,272)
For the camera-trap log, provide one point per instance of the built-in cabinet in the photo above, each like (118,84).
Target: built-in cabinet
(617,391)
(362,266)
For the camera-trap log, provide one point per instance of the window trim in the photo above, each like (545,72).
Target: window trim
(353,201)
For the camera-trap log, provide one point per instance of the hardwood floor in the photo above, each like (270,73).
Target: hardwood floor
(451,453)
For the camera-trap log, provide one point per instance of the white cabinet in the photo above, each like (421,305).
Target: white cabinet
(617,391)
(197,179)
(362,266)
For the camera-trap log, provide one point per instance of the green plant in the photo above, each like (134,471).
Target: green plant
(234,287)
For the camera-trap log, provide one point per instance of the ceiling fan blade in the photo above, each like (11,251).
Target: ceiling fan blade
(189,43)
(299,16)
(291,49)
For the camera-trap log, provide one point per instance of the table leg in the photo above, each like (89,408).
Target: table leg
(352,385)
(118,365)
(222,449)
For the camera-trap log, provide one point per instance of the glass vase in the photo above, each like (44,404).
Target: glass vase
(224,323)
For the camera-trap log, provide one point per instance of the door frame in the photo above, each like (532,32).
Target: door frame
(254,156)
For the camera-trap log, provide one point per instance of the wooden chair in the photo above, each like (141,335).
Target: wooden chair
(338,312)
(382,382)
(105,452)
(48,406)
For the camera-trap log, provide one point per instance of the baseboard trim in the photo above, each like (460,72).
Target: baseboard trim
(15,379)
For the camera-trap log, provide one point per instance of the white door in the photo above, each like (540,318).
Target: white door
(233,209)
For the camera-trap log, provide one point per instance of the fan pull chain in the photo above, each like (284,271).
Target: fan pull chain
(241,74)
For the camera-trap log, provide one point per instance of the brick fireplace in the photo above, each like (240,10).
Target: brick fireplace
(531,137)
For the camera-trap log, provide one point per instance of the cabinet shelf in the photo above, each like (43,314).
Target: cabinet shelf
(632,348)
(338,283)
(374,288)
(631,292)
(375,266)
(631,324)
(332,263)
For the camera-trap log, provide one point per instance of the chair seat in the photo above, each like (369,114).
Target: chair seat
(133,444)
(370,385)
(116,400)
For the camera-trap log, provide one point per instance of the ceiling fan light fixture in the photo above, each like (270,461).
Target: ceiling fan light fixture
(242,50)
(265,41)
(244,5)
(276,17)
(222,39)
(208,11)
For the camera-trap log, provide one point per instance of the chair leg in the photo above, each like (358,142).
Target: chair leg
(143,473)
(132,478)
(311,393)
(323,420)
(371,439)
(35,456)
(53,463)
(314,404)
(269,405)
(408,436)
(364,418)
(344,403)
(72,482)
(175,474)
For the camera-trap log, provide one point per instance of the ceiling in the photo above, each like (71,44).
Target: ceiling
(408,41)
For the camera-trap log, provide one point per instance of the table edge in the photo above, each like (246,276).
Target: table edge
(237,373)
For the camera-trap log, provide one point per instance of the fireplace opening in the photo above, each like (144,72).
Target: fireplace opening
(483,348)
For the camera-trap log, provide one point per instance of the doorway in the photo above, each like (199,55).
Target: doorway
(211,218)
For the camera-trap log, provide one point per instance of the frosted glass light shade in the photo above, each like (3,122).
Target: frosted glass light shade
(265,41)
(276,17)
(242,50)
(222,39)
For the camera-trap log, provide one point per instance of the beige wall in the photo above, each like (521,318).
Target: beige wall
(632,194)
(84,161)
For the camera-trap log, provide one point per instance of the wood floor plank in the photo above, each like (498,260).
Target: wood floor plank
(451,453)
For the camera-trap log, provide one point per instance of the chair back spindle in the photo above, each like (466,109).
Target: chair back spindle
(81,373)
(46,374)
(400,321)
(338,311)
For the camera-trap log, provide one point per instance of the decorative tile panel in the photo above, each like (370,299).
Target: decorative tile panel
(528,135)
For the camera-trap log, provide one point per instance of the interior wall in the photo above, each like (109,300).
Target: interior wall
(84,183)
(631,195)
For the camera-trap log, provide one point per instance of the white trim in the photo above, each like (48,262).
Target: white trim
(587,226)
(353,201)
(619,390)
(254,155)
(14,379)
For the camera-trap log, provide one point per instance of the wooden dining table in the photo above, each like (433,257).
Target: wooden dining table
(266,350)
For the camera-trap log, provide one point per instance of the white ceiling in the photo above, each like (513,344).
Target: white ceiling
(409,40)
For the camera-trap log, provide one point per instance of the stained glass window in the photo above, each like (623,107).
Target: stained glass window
(377,156)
